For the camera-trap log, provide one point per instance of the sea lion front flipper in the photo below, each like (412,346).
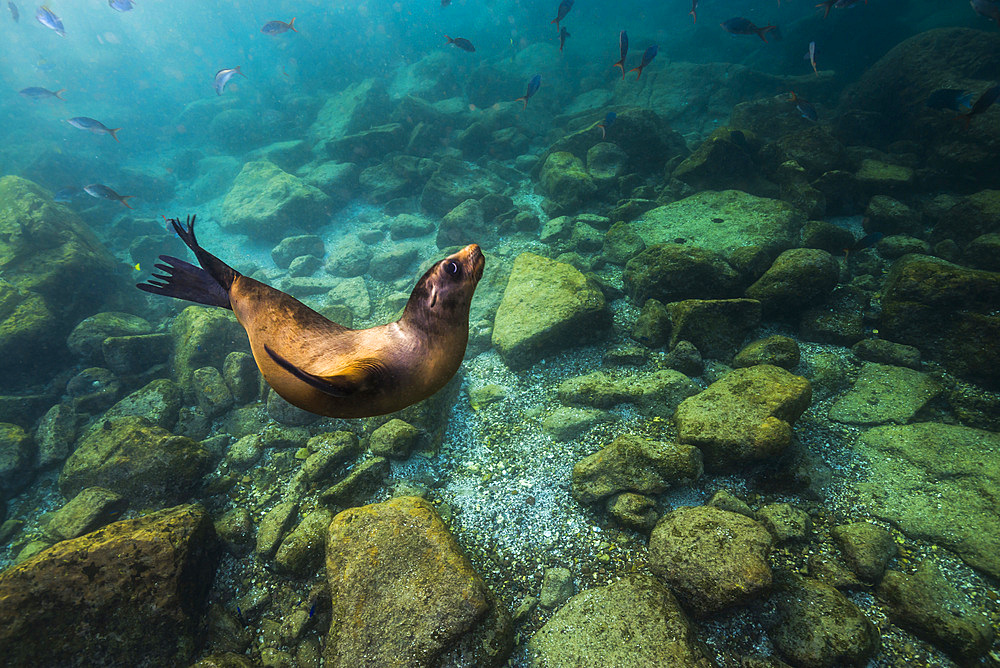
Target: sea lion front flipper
(357,376)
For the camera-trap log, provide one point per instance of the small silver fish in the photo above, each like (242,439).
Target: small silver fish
(222,77)
(47,18)
(91,125)
(37,93)
(121,5)
(101,191)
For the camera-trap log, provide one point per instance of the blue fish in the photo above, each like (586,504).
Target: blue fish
(312,610)
(955,99)
(742,26)
(48,19)
(607,123)
(222,77)
(805,108)
(561,13)
(278,27)
(37,93)
(533,85)
(623,47)
(91,125)
(647,58)
(14,14)
(121,5)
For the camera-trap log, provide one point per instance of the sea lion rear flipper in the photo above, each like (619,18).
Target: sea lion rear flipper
(356,377)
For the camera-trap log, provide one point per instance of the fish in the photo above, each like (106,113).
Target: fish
(222,77)
(278,27)
(985,8)
(65,195)
(694,10)
(607,123)
(91,125)
(805,108)
(47,18)
(954,99)
(742,26)
(14,14)
(563,34)
(462,43)
(533,85)
(121,5)
(647,58)
(811,56)
(37,93)
(864,242)
(101,191)
(984,102)
(623,49)
(445,3)
(561,13)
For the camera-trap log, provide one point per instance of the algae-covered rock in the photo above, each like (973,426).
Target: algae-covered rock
(402,592)
(16,454)
(86,339)
(776,349)
(673,271)
(605,162)
(634,464)
(455,181)
(395,439)
(725,158)
(356,108)
(884,393)
(817,626)
(621,243)
(723,222)
(798,278)
(745,416)
(947,311)
(867,548)
(565,180)
(130,456)
(203,337)
(267,202)
(91,509)
(711,559)
(633,622)
(945,482)
(465,224)
(338,180)
(547,307)
(658,391)
(295,246)
(158,401)
(141,582)
(716,327)
(784,521)
(302,549)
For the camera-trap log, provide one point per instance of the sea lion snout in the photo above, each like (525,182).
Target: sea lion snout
(473,256)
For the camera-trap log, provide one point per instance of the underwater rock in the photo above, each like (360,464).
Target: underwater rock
(56,434)
(684,357)
(129,455)
(203,336)
(887,352)
(566,423)
(304,266)
(726,159)
(215,177)
(455,181)
(884,393)
(784,522)
(93,390)
(267,202)
(210,391)
(898,245)
(403,592)
(769,118)
(799,277)
(876,176)
(242,377)
(566,182)
(55,272)
(724,500)
(557,587)
(292,247)
(362,479)
(948,312)
(398,177)
(547,307)
(867,548)
(356,108)
(301,551)
(889,216)
(285,413)
(368,145)
(273,526)
(159,402)
(349,258)
(556,229)
(945,482)
(605,163)
(141,582)
(395,439)
(711,559)
(89,510)
(817,626)
(634,464)
(237,130)
(409,226)
(621,243)
(777,350)
(794,188)
(826,236)
(745,416)
(966,218)
(130,355)
(930,606)
(983,252)
(723,222)
(716,327)
(658,391)
(814,149)
(288,155)
(671,271)
(16,455)
(635,511)
(635,621)
(352,293)
(393,262)
(463,224)
(338,180)
(434,76)
(652,326)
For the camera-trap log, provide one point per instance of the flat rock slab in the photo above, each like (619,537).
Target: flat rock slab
(940,483)
(884,393)
(723,222)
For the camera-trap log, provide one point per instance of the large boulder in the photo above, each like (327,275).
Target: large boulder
(203,337)
(357,107)
(798,278)
(884,393)
(633,622)
(455,181)
(547,307)
(745,416)
(267,202)
(403,593)
(948,312)
(130,593)
(673,271)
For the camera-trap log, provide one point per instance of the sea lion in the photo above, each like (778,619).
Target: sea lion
(326,368)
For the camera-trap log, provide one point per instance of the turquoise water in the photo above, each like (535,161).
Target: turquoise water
(735,344)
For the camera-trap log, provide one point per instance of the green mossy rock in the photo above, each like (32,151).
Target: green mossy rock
(565,181)
(716,327)
(356,108)
(403,593)
(884,393)
(798,278)
(86,339)
(777,350)
(267,202)
(671,272)
(203,337)
(455,181)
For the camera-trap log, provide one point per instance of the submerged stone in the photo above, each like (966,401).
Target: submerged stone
(269,202)
(884,393)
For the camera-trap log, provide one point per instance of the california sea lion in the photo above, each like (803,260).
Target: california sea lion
(326,368)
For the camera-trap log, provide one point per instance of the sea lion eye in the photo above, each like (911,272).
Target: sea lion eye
(452,268)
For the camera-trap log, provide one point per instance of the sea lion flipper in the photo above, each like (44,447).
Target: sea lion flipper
(358,376)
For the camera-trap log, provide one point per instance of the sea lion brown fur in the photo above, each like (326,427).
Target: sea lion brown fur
(326,368)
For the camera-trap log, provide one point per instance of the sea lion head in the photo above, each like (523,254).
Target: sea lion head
(446,289)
